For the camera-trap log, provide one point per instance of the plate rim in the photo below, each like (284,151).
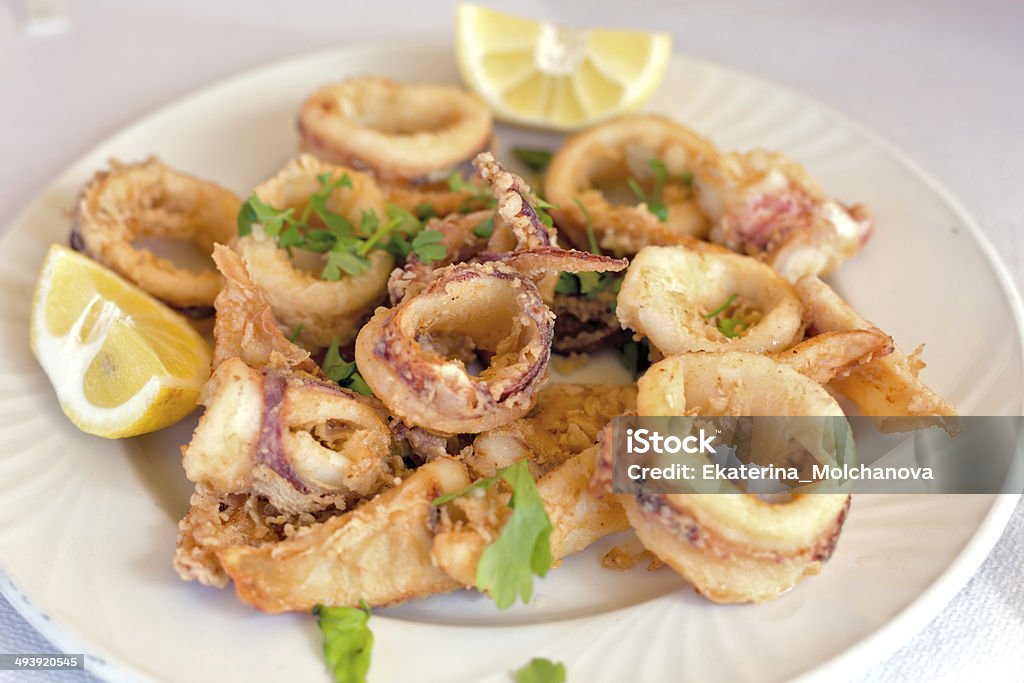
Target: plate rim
(857,657)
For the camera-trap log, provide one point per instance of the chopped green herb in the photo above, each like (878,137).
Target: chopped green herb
(296,332)
(536,160)
(591,238)
(343,261)
(653,201)
(255,210)
(720,309)
(457,183)
(523,548)
(428,245)
(424,211)
(343,372)
(686,178)
(567,283)
(541,670)
(731,327)
(485,229)
(347,641)
(635,357)
(485,483)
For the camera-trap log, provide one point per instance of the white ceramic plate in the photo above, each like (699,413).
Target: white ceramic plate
(87,526)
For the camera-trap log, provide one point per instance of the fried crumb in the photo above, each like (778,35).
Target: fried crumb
(566,364)
(618,558)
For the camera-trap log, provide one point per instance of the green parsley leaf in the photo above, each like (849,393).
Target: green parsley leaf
(428,246)
(398,246)
(568,283)
(255,210)
(536,160)
(424,211)
(654,202)
(296,332)
(347,641)
(457,183)
(485,483)
(728,302)
(731,327)
(591,284)
(339,261)
(541,670)
(343,372)
(523,548)
(485,229)
(635,357)
(591,238)
(403,220)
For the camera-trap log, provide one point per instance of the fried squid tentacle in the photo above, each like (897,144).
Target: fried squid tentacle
(886,386)
(766,205)
(413,355)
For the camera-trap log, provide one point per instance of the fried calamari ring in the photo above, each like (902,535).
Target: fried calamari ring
(766,205)
(681,299)
(603,158)
(131,202)
(402,352)
(325,309)
(399,131)
(886,386)
(733,547)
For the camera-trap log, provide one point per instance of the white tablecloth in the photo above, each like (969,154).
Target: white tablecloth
(942,80)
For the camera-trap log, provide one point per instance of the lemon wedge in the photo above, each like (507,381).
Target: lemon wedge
(121,362)
(540,74)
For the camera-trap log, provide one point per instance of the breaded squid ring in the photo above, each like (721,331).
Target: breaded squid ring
(399,131)
(670,293)
(491,306)
(325,309)
(766,205)
(148,199)
(608,154)
(733,547)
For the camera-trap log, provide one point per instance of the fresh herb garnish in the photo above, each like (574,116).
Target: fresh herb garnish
(424,211)
(541,670)
(428,245)
(653,201)
(485,229)
(635,357)
(347,248)
(730,327)
(591,238)
(477,195)
(296,332)
(728,302)
(568,284)
(347,641)
(523,548)
(343,372)
(536,160)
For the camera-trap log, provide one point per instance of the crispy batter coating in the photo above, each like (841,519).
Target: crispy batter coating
(379,552)
(399,131)
(605,156)
(148,199)
(676,297)
(766,205)
(733,547)
(885,387)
